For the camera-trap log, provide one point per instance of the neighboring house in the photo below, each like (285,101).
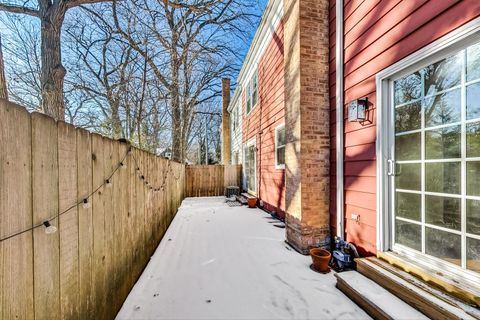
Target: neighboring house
(257,114)
(404,177)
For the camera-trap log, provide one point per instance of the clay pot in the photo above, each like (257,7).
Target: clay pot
(320,259)
(252,202)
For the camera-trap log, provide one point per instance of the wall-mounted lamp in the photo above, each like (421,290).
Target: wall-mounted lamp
(357,110)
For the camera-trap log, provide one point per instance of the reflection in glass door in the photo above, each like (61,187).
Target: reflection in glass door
(437,160)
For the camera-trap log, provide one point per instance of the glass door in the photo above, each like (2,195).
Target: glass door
(250,167)
(435,160)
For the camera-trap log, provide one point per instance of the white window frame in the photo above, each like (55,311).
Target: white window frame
(453,42)
(251,142)
(235,119)
(277,165)
(249,93)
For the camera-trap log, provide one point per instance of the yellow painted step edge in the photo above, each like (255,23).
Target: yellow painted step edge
(431,279)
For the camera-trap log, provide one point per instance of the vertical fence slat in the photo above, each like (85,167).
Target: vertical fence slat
(99,245)
(85,224)
(45,206)
(16,267)
(123,254)
(130,227)
(111,163)
(67,170)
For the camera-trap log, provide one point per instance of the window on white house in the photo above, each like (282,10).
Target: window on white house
(280,147)
(252,93)
(250,167)
(235,118)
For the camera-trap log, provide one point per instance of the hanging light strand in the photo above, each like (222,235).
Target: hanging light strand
(84,201)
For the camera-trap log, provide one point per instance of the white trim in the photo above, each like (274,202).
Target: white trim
(449,269)
(453,42)
(278,166)
(251,142)
(271,18)
(252,91)
(339,111)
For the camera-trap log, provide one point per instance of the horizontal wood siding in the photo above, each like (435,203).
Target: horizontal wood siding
(377,34)
(262,121)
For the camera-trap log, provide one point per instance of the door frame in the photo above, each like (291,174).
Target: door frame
(251,142)
(458,38)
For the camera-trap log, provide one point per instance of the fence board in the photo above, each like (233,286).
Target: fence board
(85,225)
(69,272)
(208,181)
(45,206)
(16,267)
(111,163)
(98,205)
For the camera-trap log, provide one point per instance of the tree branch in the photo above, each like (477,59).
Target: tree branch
(76,3)
(19,9)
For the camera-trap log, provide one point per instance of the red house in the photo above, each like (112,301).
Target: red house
(361,119)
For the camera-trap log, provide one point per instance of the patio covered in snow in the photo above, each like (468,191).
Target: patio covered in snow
(222,262)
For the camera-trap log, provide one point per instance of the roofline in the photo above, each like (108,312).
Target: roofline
(271,17)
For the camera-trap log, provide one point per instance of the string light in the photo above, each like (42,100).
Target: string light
(86,204)
(49,229)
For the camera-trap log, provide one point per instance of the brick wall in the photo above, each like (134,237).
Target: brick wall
(307,121)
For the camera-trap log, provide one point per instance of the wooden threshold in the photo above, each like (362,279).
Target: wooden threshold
(430,301)
(459,288)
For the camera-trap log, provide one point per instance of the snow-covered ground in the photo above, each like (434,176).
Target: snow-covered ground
(221,262)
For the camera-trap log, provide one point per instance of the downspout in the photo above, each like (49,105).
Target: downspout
(339,112)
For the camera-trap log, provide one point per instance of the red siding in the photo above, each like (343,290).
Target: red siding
(379,33)
(262,121)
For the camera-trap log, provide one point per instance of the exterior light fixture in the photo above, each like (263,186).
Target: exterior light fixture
(357,110)
(49,229)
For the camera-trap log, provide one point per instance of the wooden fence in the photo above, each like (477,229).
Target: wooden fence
(86,269)
(208,181)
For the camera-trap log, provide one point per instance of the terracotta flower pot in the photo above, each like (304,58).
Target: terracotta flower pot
(252,202)
(320,259)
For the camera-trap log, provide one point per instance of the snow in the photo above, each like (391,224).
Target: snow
(381,298)
(221,262)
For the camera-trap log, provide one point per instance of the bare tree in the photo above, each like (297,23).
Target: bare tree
(3,79)
(51,14)
(22,60)
(186,49)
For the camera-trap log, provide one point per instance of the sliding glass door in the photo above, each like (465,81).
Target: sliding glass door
(435,159)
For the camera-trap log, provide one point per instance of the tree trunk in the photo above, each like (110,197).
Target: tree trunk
(3,79)
(176,136)
(53,72)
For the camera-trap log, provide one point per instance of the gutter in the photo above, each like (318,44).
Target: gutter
(339,97)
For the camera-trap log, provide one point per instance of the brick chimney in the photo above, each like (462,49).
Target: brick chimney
(307,121)
(225,121)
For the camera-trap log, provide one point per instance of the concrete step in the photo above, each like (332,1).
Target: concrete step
(374,299)
(418,294)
